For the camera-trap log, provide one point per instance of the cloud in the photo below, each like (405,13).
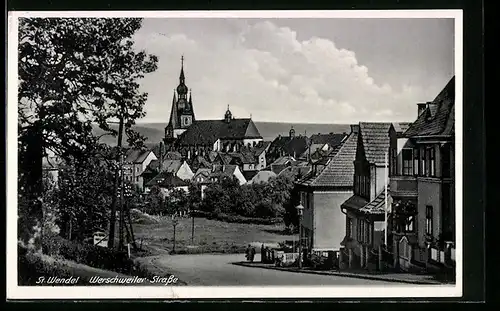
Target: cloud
(264,70)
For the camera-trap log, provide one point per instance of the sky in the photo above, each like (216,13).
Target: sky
(298,70)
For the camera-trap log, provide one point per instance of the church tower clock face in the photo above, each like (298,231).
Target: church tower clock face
(186,121)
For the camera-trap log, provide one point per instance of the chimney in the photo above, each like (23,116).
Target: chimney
(421,108)
(354,128)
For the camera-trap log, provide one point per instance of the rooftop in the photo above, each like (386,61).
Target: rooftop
(439,116)
(375,139)
(339,171)
(207,132)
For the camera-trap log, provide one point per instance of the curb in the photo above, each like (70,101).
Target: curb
(353,275)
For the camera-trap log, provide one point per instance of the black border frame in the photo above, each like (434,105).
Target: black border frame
(473,114)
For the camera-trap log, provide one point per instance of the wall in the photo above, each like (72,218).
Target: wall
(185,172)
(329,223)
(246,142)
(151,156)
(307,201)
(239,176)
(381,173)
(217,145)
(178,132)
(429,193)
(262,161)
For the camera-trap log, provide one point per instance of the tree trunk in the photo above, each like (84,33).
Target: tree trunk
(112,219)
(31,212)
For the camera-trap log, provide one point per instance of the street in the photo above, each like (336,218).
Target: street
(219,270)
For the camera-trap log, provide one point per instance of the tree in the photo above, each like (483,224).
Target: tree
(73,72)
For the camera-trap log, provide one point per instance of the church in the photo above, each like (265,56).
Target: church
(191,137)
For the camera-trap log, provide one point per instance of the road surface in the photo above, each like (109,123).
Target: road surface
(219,270)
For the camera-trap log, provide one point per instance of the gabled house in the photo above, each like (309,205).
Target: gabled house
(422,185)
(321,144)
(291,145)
(168,182)
(364,221)
(322,191)
(259,152)
(135,163)
(281,163)
(219,172)
(178,168)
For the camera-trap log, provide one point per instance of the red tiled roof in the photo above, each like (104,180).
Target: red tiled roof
(439,117)
(339,172)
(375,138)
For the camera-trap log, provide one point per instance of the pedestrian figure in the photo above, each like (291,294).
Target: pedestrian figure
(248,252)
(252,254)
(263,256)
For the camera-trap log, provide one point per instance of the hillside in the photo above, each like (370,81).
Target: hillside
(269,130)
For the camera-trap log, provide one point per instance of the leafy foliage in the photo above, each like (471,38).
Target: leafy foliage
(73,72)
(266,200)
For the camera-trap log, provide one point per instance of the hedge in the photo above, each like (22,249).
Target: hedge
(231,218)
(91,255)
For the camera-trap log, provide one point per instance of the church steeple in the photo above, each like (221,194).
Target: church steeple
(181,77)
(228,116)
(182,89)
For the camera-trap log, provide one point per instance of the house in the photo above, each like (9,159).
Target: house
(135,163)
(291,145)
(202,178)
(168,182)
(321,144)
(259,152)
(178,168)
(362,209)
(281,163)
(262,177)
(322,191)
(422,185)
(226,171)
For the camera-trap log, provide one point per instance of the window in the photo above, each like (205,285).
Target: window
(423,167)
(432,161)
(407,162)
(428,220)
(446,161)
(137,179)
(349,227)
(415,161)
(409,226)
(137,169)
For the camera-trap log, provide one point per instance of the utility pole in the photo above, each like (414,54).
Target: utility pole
(121,223)
(192,226)
(112,219)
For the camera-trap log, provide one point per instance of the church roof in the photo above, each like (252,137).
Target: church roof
(439,117)
(207,132)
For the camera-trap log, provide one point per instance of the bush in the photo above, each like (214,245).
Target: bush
(91,255)
(244,220)
(31,267)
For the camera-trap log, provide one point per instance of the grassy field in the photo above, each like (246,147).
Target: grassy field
(210,236)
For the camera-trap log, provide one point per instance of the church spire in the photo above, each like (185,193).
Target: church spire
(228,116)
(181,77)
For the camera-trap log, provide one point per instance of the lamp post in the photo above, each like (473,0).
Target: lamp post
(174,223)
(300,210)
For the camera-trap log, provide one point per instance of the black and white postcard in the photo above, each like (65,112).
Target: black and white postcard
(248,154)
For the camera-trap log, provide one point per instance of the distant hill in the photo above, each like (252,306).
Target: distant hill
(269,130)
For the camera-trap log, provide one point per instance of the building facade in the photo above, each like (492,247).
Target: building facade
(321,192)
(423,187)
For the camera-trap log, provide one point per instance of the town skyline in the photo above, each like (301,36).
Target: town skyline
(239,62)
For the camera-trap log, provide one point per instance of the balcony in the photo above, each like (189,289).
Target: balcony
(403,186)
